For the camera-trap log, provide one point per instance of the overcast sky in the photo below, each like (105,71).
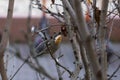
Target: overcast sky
(21,8)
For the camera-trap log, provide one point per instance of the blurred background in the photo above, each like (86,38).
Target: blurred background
(17,40)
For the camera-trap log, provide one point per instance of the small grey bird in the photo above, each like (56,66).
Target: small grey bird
(39,41)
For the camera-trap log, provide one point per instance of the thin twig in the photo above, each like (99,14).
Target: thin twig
(42,77)
(117,6)
(113,61)
(39,68)
(46,10)
(58,67)
(18,69)
(114,72)
(57,61)
(110,12)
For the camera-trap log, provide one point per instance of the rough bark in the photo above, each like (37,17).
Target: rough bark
(87,41)
(75,46)
(102,38)
(84,34)
(5,38)
(2,69)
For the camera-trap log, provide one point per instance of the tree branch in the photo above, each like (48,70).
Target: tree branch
(5,38)
(102,37)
